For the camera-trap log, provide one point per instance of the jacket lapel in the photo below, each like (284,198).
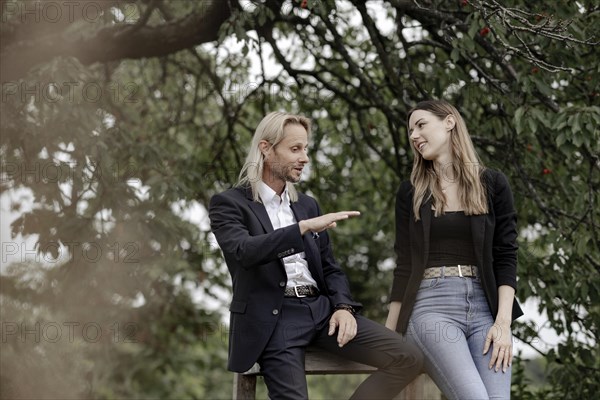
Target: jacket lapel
(425,212)
(478,233)
(478,222)
(299,211)
(260,211)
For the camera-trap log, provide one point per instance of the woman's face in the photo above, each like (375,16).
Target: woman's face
(430,135)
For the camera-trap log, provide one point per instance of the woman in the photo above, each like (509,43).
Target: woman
(454,284)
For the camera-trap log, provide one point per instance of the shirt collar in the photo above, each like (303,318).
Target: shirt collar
(268,195)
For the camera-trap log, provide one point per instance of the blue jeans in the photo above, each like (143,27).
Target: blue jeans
(449,322)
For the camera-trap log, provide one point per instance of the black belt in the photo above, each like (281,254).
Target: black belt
(301,291)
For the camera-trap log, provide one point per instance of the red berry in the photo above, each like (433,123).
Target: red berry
(464,3)
(484,31)
(547,171)
(304,4)
(535,70)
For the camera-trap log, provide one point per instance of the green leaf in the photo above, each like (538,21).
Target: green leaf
(532,124)
(575,126)
(543,87)
(455,55)
(518,119)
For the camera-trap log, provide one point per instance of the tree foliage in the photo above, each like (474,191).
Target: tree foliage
(119,125)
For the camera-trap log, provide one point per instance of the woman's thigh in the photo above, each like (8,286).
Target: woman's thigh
(497,383)
(438,326)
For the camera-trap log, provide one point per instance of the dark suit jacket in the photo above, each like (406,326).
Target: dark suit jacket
(253,252)
(494,241)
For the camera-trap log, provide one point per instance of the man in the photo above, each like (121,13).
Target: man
(288,290)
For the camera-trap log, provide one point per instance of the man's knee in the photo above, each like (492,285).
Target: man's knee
(408,355)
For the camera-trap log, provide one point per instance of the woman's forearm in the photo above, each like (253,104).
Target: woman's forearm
(393,314)
(506,297)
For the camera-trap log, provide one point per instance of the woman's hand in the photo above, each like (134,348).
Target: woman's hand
(499,337)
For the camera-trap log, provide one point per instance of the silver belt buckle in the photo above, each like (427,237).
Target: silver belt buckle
(459,271)
(296,291)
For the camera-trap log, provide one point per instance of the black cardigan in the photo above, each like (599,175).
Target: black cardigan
(494,241)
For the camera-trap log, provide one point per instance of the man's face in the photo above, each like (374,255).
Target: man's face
(285,162)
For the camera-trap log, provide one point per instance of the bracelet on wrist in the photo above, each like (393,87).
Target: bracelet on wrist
(346,307)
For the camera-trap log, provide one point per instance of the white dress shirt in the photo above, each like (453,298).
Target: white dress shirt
(281,215)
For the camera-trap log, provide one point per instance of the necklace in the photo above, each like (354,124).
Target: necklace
(445,188)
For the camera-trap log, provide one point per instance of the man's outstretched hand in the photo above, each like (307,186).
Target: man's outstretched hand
(327,221)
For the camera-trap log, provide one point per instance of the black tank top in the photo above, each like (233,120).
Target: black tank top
(451,240)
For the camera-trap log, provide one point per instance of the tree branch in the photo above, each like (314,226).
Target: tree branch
(111,43)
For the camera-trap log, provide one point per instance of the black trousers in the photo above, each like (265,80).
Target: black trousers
(305,321)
